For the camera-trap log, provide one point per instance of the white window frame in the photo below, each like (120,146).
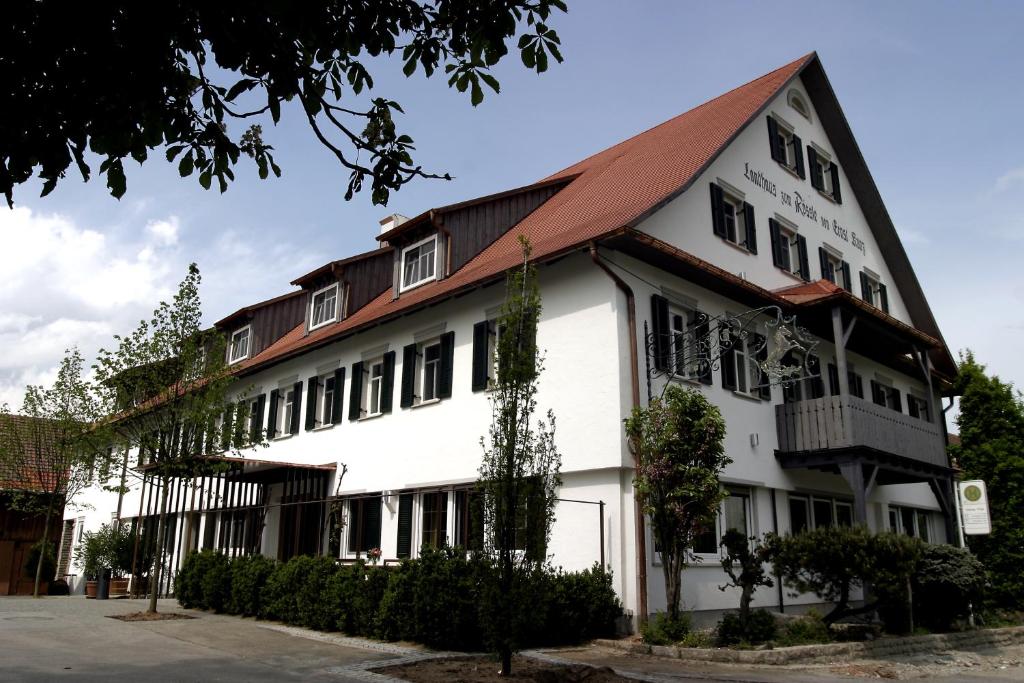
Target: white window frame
(312,306)
(731,201)
(422,371)
(422,280)
(786,134)
(874,288)
(283,428)
(835,258)
(720,528)
(825,163)
(232,358)
(687,335)
(323,403)
(372,384)
(798,103)
(789,233)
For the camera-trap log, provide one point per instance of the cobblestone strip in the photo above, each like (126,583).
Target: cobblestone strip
(346,641)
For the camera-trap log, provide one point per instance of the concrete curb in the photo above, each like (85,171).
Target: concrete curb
(830,652)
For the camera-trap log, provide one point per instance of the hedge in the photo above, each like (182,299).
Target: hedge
(439,599)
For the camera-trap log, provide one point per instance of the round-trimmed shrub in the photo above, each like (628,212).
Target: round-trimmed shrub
(216,584)
(248,576)
(188,584)
(760,629)
(947,581)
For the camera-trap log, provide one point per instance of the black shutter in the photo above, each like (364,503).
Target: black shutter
(311,388)
(408,376)
(225,427)
(447,364)
(897,400)
(773,140)
(883,297)
(355,399)
(404,525)
(865,287)
(812,159)
(272,414)
(702,328)
(481,339)
(847,278)
(764,389)
(776,237)
(805,266)
(354,525)
(717,216)
(659,321)
(912,407)
(293,428)
(339,387)
(836,193)
(388,388)
(256,429)
(827,273)
(729,361)
(751,228)
(833,379)
(798,152)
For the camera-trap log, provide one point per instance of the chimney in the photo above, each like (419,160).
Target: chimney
(392,221)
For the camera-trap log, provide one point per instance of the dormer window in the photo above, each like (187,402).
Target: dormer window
(418,263)
(239,347)
(324,307)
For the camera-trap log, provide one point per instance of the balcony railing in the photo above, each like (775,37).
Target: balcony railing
(831,422)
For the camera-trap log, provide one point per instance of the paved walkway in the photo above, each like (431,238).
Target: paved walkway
(69,638)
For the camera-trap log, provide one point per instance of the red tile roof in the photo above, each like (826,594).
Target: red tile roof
(608,192)
(28,471)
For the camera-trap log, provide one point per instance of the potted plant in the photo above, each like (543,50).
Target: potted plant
(120,545)
(89,557)
(106,551)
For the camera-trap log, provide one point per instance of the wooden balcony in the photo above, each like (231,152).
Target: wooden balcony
(833,423)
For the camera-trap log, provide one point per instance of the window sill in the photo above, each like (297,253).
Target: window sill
(374,416)
(237,360)
(746,395)
(692,381)
(789,169)
(324,428)
(738,247)
(313,328)
(827,196)
(421,404)
(408,288)
(282,437)
(796,276)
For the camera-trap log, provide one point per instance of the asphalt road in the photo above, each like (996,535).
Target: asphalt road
(71,638)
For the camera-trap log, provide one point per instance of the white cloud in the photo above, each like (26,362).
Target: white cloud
(165,231)
(912,236)
(1008,180)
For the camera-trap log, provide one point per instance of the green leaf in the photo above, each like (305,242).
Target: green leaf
(244,85)
(116,181)
(204,179)
(185,166)
(491,81)
(477,94)
(529,61)
(275,107)
(173,152)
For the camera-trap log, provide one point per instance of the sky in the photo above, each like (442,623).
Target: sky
(931,90)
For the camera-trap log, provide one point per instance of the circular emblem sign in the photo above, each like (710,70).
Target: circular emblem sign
(972,493)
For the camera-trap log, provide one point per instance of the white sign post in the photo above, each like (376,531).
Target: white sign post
(974,507)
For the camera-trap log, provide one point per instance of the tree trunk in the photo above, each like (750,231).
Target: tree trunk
(158,553)
(43,547)
(670,564)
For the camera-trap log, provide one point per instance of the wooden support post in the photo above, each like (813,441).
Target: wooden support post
(853,473)
(840,337)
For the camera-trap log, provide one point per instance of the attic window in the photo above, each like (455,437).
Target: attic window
(324,307)
(239,348)
(797,102)
(418,263)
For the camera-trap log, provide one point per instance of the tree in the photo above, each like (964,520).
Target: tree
(120,79)
(519,474)
(54,447)
(743,562)
(991,423)
(677,441)
(169,381)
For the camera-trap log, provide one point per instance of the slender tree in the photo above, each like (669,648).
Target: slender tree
(54,448)
(120,79)
(170,383)
(519,475)
(677,441)
(744,563)
(991,423)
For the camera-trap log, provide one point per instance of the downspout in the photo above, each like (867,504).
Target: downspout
(641,537)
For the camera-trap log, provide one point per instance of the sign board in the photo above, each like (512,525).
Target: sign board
(974,508)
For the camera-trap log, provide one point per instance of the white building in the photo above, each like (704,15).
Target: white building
(376,365)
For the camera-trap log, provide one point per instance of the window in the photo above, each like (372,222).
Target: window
(239,347)
(873,291)
(80,529)
(883,394)
(834,268)
(910,521)
(324,307)
(798,103)
(799,515)
(855,381)
(918,407)
(732,218)
(323,399)
(786,147)
(817,512)
(740,369)
(681,340)
(734,513)
(374,386)
(469,528)
(434,507)
(418,263)
(284,413)
(364,522)
(823,511)
(824,174)
(789,249)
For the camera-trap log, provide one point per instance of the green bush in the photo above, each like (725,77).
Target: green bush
(580,606)
(248,576)
(278,597)
(760,628)
(809,629)
(188,584)
(49,568)
(946,582)
(216,584)
(893,559)
(663,630)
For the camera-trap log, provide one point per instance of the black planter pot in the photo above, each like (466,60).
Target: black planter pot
(103,585)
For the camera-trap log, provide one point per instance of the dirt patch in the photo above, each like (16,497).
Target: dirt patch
(150,616)
(485,670)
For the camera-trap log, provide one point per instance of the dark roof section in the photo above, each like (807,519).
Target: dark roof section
(335,266)
(247,311)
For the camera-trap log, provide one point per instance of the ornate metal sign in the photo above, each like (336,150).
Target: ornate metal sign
(759,348)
